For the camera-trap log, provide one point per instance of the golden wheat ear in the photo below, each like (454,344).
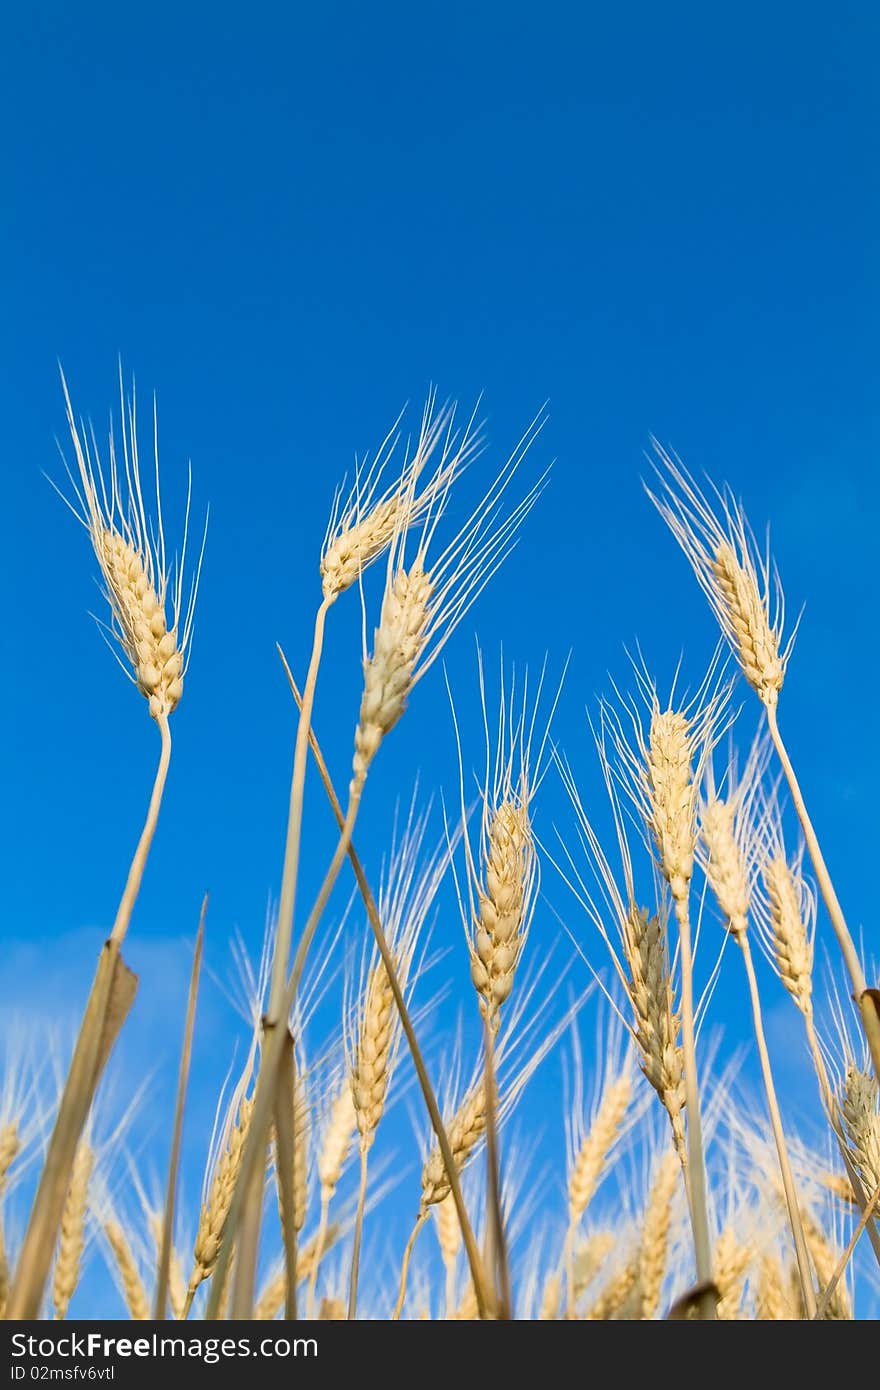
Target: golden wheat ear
(741,584)
(502,872)
(151,597)
(365,522)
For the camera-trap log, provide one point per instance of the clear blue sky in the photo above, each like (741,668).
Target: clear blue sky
(289,221)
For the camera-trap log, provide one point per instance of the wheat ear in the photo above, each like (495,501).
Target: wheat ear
(68,1263)
(215,1211)
(638,948)
(589,1157)
(614,1295)
(336,1142)
(826,1259)
(859,1107)
(449,1239)
(771,1301)
(732,1258)
(655,1232)
(132,1285)
(663,770)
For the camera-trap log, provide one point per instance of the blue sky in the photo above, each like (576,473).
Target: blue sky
(289,223)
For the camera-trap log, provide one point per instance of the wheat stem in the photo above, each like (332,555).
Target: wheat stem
(696,1162)
(404,1268)
(287,899)
(358,1235)
(788,1183)
(138,863)
(273,1044)
(166,1239)
(430,1099)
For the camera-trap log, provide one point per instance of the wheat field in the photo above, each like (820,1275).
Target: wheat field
(680,837)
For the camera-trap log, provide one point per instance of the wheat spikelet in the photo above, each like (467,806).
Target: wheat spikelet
(448,1230)
(589,1258)
(369,1078)
(502,873)
(613,1297)
(336,1141)
(132,1284)
(551,1298)
(212,1218)
(786,928)
(771,1300)
(839,1185)
(332,1310)
(730,1262)
(504,898)
(756,643)
(400,640)
(68,1263)
(137,581)
(151,648)
(301,1130)
(638,948)
(465,1131)
(657,1024)
(655,1232)
(10,1147)
(670,787)
(826,1258)
(726,869)
(4,1277)
(744,593)
(423,604)
(371,1022)
(589,1161)
(858,1105)
(366,523)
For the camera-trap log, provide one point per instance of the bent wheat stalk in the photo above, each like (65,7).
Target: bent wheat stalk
(428,1093)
